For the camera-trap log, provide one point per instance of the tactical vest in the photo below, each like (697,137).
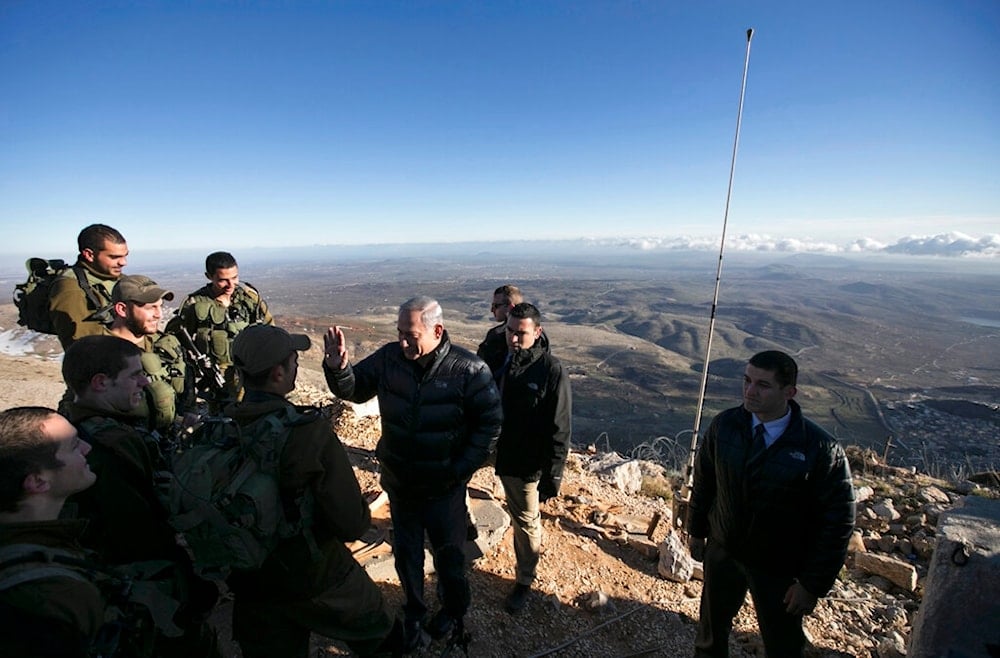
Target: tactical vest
(218,325)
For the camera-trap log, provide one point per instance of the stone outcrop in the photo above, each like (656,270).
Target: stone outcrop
(960,612)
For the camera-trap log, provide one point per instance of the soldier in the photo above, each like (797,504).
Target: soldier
(42,462)
(310,581)
(127,519)
(77,297)
(217,312)
(137,308)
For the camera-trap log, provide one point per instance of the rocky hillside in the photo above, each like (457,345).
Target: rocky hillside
(601,589)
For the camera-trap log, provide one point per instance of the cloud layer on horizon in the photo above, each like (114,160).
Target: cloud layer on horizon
(945,244)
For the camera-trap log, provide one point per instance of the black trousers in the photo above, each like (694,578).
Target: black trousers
(726,584)
(444,522)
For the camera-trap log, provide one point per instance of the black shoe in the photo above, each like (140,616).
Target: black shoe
(517,598)
(458,641)
(414,636)
(440,625)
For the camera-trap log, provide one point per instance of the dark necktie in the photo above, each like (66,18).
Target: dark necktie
(758,445)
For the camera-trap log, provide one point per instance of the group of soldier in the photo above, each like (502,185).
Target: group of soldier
(97,467)
(84,486)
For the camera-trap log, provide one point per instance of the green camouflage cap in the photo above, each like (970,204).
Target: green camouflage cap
(138,288)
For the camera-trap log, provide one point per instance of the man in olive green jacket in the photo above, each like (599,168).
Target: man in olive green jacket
(310,582)
(75,311)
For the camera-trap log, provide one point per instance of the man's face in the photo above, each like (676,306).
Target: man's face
(74,475)
(109,260)
(763,395)
(522,333)
(224,281)
(291,367)
(124,392)
(416,339)
(500,307)
(143,319)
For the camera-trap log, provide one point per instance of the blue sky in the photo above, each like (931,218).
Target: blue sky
(239,124)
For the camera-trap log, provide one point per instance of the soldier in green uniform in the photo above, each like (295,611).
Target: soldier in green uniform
(127,517)
(75,309)
(42,462)
(137,307)
(217,312)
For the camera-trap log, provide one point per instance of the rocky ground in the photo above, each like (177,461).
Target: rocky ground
(600,592)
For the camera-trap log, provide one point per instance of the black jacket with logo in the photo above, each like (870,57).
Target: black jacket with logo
(789,509)
(537,417)
(438,424)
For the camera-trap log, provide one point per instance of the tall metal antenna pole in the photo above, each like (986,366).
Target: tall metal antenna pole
(681,505)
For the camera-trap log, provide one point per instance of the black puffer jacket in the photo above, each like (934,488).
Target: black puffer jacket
(537,417)
(493,349)
(438,424)
(790,510)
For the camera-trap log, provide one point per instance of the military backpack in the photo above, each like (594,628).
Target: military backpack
(32,296)
(225,499)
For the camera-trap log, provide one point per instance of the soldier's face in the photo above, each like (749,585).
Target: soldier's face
(109,260)
(144,319)
(74,472)
(224,281)
(124,392)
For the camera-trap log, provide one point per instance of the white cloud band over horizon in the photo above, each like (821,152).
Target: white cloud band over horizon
(952,244)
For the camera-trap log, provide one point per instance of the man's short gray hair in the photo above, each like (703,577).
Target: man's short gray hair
(430,311)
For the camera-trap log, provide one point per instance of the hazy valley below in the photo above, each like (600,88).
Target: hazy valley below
(891,347)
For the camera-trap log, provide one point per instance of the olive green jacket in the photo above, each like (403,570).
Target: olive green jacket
(57,615)
(70,307)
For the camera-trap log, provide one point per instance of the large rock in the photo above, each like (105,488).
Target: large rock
(492,522)
(626,474)
(676,563)
(899,573)
(961,605)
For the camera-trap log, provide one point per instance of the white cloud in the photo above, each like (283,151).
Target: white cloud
(944,245)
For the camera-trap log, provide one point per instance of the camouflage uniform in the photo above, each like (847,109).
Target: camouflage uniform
(71,309)
(213,325)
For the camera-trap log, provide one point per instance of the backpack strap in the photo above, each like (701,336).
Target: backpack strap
(24,563)
(81,278)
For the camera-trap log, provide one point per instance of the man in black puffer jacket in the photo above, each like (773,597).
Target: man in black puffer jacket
(441,417)
(534,442)
(773,495)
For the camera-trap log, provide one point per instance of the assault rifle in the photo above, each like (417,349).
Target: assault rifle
(209,381)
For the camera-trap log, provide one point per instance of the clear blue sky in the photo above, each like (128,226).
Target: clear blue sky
(238,124)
